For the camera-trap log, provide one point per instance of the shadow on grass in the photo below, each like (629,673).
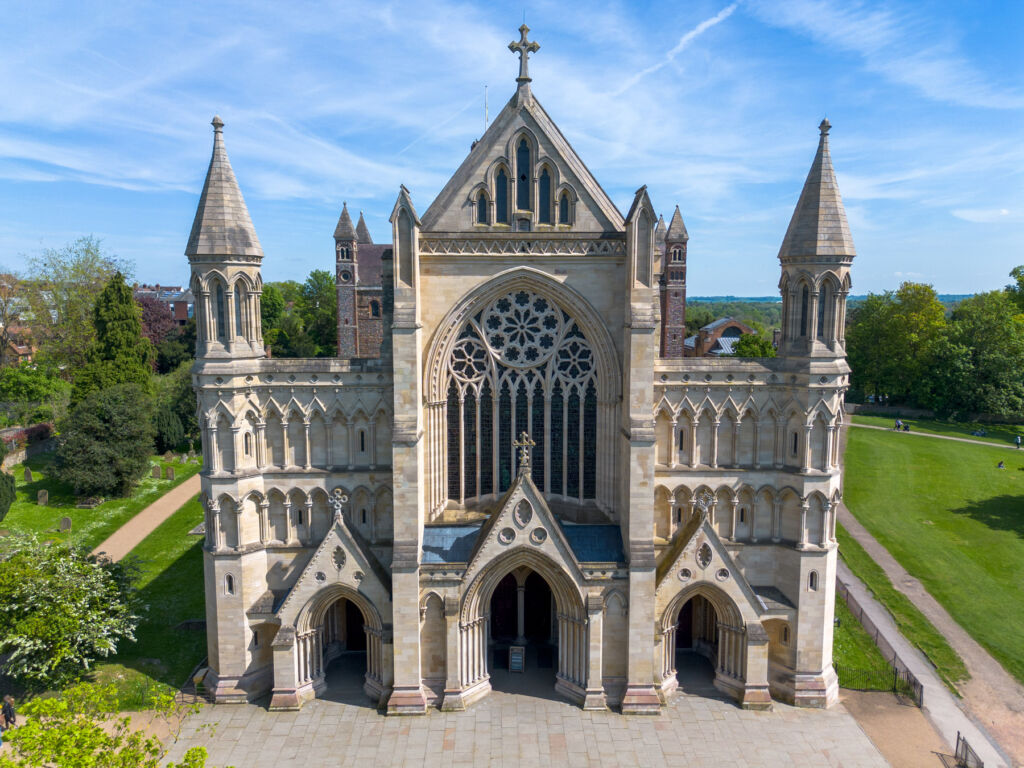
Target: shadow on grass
(1003,513)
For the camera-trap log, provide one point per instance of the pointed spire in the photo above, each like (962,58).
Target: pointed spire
(363,232)
(659,231)
(819,227)
(344,230)
(222,226)
(676,229)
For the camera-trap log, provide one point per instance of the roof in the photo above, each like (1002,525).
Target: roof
(344,230)
(595,543)
(222,226)
(676,228)
(724,346)
(369,257)
(362,232)
(819,227)
(449,543)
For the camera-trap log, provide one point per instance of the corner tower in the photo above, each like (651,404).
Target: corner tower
(345,248)
(816,255)
(673,288)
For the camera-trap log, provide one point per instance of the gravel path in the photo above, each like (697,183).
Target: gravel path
(993,698)
(970,440)
(124,539)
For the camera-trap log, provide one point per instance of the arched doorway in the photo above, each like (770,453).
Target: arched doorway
(696,645)
(521,616)
(339,648)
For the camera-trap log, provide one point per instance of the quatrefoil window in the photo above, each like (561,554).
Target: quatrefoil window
(704,555)
(339,558)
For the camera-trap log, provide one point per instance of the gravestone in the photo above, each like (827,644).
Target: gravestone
(43,498)
(168,456)
(183,459)
(65,524)
(28,475)
(169,473)
(156,471)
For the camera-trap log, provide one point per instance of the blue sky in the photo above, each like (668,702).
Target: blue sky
(104,122)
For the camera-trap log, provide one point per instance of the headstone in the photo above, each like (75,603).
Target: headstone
(183,459)
(28,475)
(168,456)
(65,524)
(43,497)
(169,473)
(156,471)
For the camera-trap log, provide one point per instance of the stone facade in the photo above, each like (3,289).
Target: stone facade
(527,460)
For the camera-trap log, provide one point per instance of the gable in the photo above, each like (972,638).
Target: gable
(454,210)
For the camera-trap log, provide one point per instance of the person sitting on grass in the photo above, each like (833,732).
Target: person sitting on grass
(1001,465)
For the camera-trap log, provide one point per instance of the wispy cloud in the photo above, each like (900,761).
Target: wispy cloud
(988,215)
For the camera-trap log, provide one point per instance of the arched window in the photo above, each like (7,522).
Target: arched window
(229,585)
(563,209)
(542,380)
(785,635)
(824,304)
(677,254)
(796,439)
(544,197)
(239,328)
(812,581)
(523,173)
(362,440)
(374,309)
(805,300)
(501,197)
(219,309)
(248,444)
(682,440)
(481,208)
(364,516)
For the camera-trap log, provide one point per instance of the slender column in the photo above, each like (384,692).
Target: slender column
(285,447)
(807,449)
(579,468)
(462,448)
(736,425)
(734,503)
(289,522)
(371,449)
(804,505)
(329,429)
(830,436)
(780,443)
(236,441)
(565,444)
(218,529)
(757,444)
(714,443)
(812,332)
(547,443)
(307,520)
(261,448)
(351,428)
(520,614)
(476,434)
(776,514)
(213,462)
(826,517)
(673,451)
(595,698)
(229,320)
(693,443)
(753,520)
(305,437)
(264,506)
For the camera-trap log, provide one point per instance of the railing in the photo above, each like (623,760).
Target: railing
(965,756)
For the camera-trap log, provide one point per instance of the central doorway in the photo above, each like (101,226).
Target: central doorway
(522,614)
(697,646)
(346,664)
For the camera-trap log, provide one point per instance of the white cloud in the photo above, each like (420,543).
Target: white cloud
(988,215)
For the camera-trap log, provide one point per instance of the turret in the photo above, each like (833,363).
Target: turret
(673,288)
(363,232)
(816,255)
(225,256)
(345,250)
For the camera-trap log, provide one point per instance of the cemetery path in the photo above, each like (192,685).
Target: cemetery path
(992,697)
(970,440)
(124,539)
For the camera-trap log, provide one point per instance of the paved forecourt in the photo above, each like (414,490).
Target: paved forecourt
(510,730)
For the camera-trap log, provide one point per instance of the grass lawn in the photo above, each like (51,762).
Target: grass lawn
(852,646)
(952,520)
(88,526)
(172,587)
(995,433)
(911,622)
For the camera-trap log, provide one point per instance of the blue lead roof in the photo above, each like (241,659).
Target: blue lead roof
(443,544)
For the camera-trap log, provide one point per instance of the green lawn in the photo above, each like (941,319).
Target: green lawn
(852,646)
(171,586)
(995,433)
(88,526)
(954,521)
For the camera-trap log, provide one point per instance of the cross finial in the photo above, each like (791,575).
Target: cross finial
(524,48)
(338,500)
(524,444)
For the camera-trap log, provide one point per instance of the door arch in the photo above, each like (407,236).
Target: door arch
(570,624)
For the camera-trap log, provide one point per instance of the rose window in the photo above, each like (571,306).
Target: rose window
(469,360)
(522,328)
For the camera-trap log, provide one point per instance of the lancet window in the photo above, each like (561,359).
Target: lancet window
(563,209)
(544,197)
(481,208)
(522,363)
(501,197)
(524,170)
(220,301)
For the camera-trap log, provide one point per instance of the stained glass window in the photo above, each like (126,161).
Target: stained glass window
(523,173)
(481,208)
(563,209)
(544,197)
(501,197)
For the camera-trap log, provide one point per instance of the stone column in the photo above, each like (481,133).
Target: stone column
(595,698)
(520,614)
(213,461)
(714,443)
(736,426)
(830,436)
(757,444)
(693,443)
(286,671)
(453,681)
(734,503)
(673,451)
(285,447)
(806,468)
(236,442)
(826,517)
(780,444)
(264,507)
(261,445)
(305,437)
(804,505)
(776,514)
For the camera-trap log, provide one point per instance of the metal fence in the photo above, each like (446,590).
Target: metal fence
(902,680)
(888,678)
(965,756)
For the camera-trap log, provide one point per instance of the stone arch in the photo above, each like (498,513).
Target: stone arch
(789,523)
(764,514)
(433,645)
(278,528)
(321,514)
(227,520)
(614,642)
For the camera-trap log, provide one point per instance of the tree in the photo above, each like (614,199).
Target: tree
(119,354)
(84,727)
(167,426)
(12,304)
(106,441)
(177,347)
(1016,290)
(271,306)
(157,320)
(7,492)
(61,608)
(697,317)
(62,289)
(291,339)
(30,394)
(753,345)
(318,305)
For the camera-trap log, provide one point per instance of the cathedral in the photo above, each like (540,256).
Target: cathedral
(511,464)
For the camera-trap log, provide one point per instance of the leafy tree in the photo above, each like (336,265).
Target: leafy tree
(61,608)
(697,317)
(106,441)
(753,345)
(177,347)
(291,291)
(12,304)
(7,492)
(157,320)
(1016,290)
(30,394)
(271,306)
(291,339)
(84,727)
(62,287)
(318,305)
(119,354)
(168,428)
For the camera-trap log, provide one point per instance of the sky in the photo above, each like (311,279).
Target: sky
(714,105)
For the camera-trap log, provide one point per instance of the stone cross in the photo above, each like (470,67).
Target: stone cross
(524,444)
(524,48)
(338,500)
(704,500)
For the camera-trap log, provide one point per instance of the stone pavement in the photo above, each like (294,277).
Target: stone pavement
(512,729)
(124,539)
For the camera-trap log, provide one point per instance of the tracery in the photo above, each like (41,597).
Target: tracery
(522,363)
